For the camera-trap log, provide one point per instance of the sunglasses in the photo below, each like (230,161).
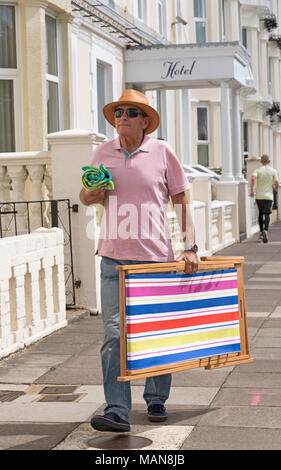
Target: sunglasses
(130,112)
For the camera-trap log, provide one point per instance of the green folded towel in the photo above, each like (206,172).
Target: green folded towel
(95,178)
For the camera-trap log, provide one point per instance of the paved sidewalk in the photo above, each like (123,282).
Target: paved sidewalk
(50,390)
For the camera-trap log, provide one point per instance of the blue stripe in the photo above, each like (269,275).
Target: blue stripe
(184,356)
(180,306)
(180,275)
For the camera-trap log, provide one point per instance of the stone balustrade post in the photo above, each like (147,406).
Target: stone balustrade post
(71,150)
(18,176)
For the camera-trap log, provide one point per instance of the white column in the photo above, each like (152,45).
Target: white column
(226,139)
(185,127)
(236,136)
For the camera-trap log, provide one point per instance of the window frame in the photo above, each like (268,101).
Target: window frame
(201,142)
(143,17)
(224,8)
(14,75)
(108,85)
(105,54)
(163,22)
(198,19)
(56,78)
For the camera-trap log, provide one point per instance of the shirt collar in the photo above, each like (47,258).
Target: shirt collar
(144,146)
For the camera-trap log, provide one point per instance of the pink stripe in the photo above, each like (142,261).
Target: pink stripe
(179,290)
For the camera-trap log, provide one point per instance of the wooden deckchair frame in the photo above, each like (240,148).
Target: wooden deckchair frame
(212,362)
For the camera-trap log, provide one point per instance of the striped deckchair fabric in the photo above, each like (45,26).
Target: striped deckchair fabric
(171,321)
(175,317)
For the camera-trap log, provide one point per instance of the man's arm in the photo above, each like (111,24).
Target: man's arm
(276,183)
(184,217)
(92,197)
(253,179)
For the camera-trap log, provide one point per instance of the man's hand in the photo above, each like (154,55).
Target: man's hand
(191,261)
(252,193)
(92,197)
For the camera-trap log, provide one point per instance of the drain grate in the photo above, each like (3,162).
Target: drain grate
(58,389)
(59,398)
(9,395)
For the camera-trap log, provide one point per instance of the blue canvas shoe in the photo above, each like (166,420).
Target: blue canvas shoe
(110,422)
(157,413)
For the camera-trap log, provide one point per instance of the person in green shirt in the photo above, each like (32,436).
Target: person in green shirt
(266,180)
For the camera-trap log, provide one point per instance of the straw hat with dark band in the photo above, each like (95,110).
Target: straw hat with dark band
(140,101)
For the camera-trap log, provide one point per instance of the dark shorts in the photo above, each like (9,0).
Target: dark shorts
(264,205)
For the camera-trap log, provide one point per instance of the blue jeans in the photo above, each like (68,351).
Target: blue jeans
(118,394)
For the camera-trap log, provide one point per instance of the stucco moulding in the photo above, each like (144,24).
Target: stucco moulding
(76,135)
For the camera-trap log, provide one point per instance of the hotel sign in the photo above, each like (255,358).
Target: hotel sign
(176,69)
(186,67)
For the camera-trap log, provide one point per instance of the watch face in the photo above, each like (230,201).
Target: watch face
(195,248)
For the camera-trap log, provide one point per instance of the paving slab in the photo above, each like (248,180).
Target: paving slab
(178,414)
(244,416)
(68,375)
(266,353)
(267,342)
(33,436)
(47,412)
(201,377)
(28,358)
(82,438)
(247,397)
(21,374)
(232,438)
(260,365)
(253,380)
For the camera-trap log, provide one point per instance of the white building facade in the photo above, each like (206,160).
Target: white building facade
(212,68)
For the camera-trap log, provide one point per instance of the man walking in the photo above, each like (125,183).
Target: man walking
(146,172)
(266,179)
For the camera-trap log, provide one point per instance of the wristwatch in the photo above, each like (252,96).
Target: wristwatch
(193,248)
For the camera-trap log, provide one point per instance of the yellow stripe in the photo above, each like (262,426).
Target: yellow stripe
(145,345)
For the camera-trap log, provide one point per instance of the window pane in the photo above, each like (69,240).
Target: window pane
(199,8)
(159,109)
(244,37)
(203,155)
(200,31)
(8,57)
(51,46)
(7,125)
(202,123)
(52,106)
(101,97)
(160,18)
(246,136)
(140,12)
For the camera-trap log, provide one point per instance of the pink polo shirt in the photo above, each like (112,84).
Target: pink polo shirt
(134,224)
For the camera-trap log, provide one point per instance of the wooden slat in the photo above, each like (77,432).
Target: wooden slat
(122,304)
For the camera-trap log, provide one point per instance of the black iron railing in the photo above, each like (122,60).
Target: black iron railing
(22,217)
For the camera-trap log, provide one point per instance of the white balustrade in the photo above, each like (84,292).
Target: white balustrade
(24,176)
(223,225)
(32,289)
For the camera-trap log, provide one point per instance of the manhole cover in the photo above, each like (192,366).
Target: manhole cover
(119,442)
